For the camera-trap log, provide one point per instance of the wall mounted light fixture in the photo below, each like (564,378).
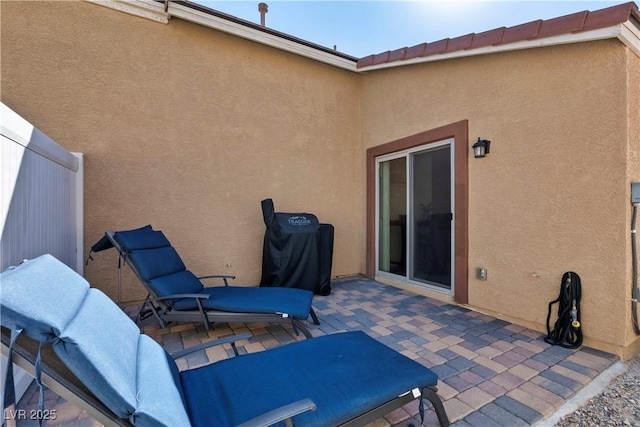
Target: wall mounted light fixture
(481,148)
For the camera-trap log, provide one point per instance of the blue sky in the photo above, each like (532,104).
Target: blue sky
(362,28)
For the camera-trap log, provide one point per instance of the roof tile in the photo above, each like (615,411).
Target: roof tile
(521,32)
(398,54)
(487,38)
(365,62)
(562,25)
(606,17)
(380,58)
(436,47)
(460,43)
(415,51)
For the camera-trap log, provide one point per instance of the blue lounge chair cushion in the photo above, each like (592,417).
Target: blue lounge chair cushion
(141,238)
(242,299)
(159,401)
(354,374)
(100,346)
(129,372)
(152,263)
(185,281)
(42,296)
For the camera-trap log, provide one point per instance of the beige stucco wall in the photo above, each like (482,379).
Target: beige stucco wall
(187,129)
(633,166)
(553,194)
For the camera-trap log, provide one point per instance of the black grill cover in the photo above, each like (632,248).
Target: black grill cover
(297,251)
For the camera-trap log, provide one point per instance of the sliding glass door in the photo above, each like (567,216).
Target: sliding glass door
(414,215)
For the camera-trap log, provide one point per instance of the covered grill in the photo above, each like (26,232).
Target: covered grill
(297,251)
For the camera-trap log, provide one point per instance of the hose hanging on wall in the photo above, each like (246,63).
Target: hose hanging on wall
(567,331)
(635,292)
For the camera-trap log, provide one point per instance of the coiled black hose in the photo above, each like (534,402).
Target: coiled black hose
(567,330)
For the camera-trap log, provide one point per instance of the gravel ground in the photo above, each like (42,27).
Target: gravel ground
(617,405)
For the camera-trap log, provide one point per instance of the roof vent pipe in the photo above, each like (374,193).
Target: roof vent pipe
(263,8)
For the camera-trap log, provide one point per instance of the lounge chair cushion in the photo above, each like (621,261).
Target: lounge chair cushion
(354,374)
(41,296)
(242,299)
(152,263)
(100,346)
(158,404)
(184,280)
(97,341)
(129,372)
(141,238)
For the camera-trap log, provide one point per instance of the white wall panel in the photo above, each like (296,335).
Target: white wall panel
(41,203)
(41,198)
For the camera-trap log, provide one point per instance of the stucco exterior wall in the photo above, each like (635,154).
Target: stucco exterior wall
(552,195)
(633,169)
(187,129)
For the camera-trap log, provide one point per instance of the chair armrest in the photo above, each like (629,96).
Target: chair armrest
(219,341)
(224,277)
(281,414)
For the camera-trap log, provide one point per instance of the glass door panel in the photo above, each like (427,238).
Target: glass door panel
(432,217)
(392,211)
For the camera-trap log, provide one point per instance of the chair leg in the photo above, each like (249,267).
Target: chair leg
(205,319)
(314,317)
(235,349)
(154,311)
(303,328)
(139,316)
(438,407)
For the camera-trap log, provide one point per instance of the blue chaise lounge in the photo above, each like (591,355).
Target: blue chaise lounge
(176,294)
(340,379)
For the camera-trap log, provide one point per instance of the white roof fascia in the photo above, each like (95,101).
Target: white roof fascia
(630,36)
(144,8)
(615,31)
(221,24)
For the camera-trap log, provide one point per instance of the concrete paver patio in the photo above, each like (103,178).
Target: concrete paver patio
(492,372)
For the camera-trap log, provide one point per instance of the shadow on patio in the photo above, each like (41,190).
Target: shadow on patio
(492,373)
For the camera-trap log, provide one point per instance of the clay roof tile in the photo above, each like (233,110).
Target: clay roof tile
(365,62)
(436,47)
(398,54)
(521,32)
(380,58)
(460,43)
(487,38)
(562,25)
(610,16)
(415,51)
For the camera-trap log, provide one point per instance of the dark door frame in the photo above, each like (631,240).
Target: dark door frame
(459,131)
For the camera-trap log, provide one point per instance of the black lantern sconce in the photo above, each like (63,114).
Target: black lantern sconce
(481,148)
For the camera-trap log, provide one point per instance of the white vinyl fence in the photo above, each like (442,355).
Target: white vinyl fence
(41,201)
